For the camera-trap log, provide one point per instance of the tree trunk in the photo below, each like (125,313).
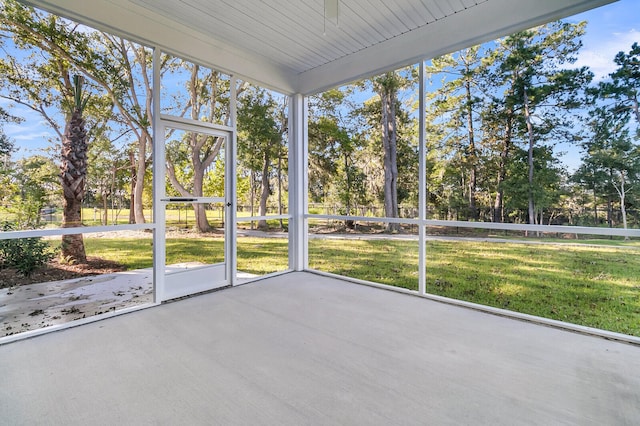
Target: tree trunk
(623,210)
(595,208)
(72,247)
(498,212)
(139,181)
(264,195)
(73,175)
(105,209)
(113,190)
(389,143)
(636,108)
(527,116)
(473,155)
(610,202)
(280,189)
(622,192)
(132,191)
(348,223)
(202,223)
(252,193)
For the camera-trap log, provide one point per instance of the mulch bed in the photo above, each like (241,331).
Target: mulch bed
(56,271)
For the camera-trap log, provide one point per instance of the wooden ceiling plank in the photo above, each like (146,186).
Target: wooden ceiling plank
(232,26)
(456,5)
(371,18)
(470,3)
(353,23)
(406,12)
(389,13)
(421,14)
(305,19)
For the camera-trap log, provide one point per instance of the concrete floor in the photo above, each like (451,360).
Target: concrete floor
(302,349)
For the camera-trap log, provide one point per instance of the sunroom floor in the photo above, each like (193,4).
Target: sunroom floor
(307,349)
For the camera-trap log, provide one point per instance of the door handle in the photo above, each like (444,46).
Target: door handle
(179,199)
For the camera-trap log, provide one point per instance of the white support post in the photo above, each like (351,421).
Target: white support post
(422,186)
(298,183)
(159,233)
(231,155)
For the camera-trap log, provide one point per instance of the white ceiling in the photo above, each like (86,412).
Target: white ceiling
(288,46)
(295,34)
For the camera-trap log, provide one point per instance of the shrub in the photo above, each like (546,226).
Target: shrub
(24,254)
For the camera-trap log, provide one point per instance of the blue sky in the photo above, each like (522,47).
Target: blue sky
(28,138)
(610,29)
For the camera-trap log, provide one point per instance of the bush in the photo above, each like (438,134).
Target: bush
(24,254)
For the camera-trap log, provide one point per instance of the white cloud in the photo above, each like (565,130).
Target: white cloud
(32,137)
(28,137)
(598,52)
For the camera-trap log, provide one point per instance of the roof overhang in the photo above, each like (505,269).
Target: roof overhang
(290,47)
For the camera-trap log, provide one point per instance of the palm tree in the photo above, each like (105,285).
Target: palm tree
(73,174)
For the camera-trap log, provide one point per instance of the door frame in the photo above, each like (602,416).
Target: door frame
(161,199)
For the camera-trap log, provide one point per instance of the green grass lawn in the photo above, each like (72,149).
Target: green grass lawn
(593,286)
(255,255)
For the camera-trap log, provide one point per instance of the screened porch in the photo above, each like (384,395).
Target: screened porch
(217,342)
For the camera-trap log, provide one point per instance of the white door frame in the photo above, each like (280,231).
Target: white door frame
(162,293)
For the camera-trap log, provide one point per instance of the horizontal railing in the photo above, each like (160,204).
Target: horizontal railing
(48,232)
(561,229)
(257,218)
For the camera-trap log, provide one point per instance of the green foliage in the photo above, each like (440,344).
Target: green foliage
(6,145)
(342,152)
(347,163)
(611,154)
(262,145)
(259,132)
(192,156)
(328,130)
(453,110)
(107,175)
(624,88)
(50,50)
(540,90)
(27,186)
(546,181)
(24,254)
(213,185)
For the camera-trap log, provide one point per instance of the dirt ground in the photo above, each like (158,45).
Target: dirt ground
(56,271)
